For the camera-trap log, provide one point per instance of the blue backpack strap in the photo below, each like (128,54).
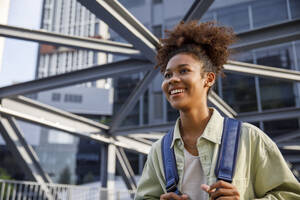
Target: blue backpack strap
(170,166)
(228,151)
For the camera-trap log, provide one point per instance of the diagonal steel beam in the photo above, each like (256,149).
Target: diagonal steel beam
(57,119)
(287,137)
(80,76)
(221,105)
(260,70)
(123,23)
(132,100)
(268,35)
(69,41)
(125,169)
(268,115)
(24,153)
(197,10)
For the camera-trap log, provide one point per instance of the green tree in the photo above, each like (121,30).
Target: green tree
(65,176)
(89,177)
(4,175)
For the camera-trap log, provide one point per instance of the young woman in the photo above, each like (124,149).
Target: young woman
(190,58)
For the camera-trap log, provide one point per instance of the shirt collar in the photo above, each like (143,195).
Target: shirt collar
(212,131)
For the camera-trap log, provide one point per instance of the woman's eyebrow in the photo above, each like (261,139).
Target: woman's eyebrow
(182,65)
(177,66)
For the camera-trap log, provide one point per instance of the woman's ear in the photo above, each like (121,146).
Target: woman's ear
(210,79)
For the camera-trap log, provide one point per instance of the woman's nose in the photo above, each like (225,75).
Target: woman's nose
(174,79)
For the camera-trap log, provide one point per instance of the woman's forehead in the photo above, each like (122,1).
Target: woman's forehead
(182,59)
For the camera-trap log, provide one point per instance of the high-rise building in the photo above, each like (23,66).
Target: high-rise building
(58,151)
(4,8)
(244,93)
(70,18)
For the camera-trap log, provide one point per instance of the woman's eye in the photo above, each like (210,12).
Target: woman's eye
(167,75)
(183,71)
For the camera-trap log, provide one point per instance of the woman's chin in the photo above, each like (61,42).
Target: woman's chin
(179,106)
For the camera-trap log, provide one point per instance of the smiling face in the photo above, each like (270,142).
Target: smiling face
(185,84)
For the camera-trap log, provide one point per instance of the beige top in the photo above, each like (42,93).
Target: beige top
(193,177)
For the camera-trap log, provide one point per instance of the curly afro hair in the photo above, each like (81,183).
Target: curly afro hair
(205,41)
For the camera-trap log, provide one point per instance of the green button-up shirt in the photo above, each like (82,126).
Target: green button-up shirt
(261,171)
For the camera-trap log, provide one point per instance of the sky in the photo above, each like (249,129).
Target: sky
(19,57)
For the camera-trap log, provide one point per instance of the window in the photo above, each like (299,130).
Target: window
(269,12)
(132,3)
(236,16)
(239,92)
(157,30)
(276,93)
(295,8)
(158,105)
(55,96)
(157,1)
(280,127)
(73,98)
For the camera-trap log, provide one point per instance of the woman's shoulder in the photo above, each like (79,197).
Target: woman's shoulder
(155,149)
(256,136)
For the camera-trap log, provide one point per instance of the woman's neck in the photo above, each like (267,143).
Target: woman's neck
(194,121)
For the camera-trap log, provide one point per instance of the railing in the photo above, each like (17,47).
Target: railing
(25,190)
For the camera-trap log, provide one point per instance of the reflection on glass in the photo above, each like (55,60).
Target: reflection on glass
(295,8)
(279,127)
(239,92)
(236,16)
(124,85)
(172,114)
(276,93)
(145,107)
(269,12)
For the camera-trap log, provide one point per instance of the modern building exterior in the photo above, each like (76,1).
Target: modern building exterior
(247,95)
(4,8)
(58,151)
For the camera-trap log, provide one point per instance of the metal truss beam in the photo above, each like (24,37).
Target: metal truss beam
(123,23)
(66,122)
(69,41)
(268,115)
(156,130)
(260,70)
(292,145)
(111,171)
(80,76)
(125,169)
(221,105)
(197,10)
(132,100)
(268,35)
(287,137)
(148,136)
(24,153)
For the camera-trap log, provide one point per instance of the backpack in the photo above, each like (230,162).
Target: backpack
(226,159)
